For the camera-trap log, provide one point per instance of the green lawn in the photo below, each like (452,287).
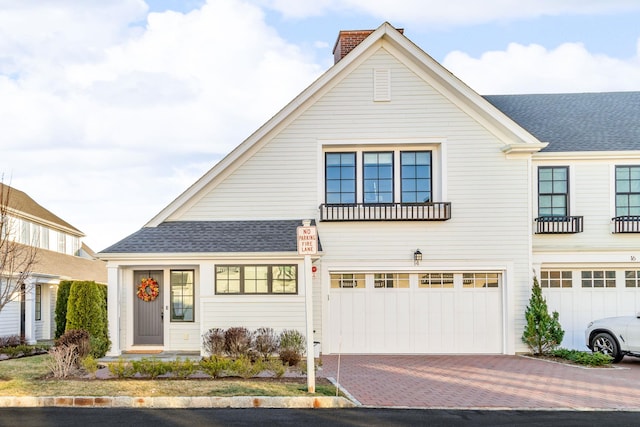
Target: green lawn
(27,376)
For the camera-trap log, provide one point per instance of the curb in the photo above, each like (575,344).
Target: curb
(175,402)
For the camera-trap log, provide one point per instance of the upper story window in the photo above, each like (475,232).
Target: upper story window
(553,191)
(62,243)
(627,190)
(340,178)
(25,232)
(415,176)
(380,181)
(378,177)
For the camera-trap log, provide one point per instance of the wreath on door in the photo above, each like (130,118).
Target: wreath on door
(148,289)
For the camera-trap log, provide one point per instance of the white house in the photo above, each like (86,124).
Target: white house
(425,198)
(61,255)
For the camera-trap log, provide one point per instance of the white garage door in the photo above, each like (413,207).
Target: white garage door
(580,296)
(416,313)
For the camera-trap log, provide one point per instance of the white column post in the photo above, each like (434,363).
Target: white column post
(308,298)
(113,309)
(30,311)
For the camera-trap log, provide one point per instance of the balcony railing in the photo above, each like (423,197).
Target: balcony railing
(626,224)
(433,211)
(558,224)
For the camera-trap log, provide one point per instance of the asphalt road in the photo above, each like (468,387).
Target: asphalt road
(34,417)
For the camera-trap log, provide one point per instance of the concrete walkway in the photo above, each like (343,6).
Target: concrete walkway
(472,382)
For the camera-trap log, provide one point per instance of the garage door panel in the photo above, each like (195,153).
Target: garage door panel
(423,320)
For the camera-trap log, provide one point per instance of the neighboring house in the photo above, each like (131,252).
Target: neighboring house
(425,197)
(61,255)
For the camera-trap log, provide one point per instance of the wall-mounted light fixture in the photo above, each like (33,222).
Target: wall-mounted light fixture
(417,257)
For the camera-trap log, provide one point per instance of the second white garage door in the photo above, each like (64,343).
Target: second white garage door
(403,313)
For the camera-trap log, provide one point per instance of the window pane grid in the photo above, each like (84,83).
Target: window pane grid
(553,191)
(182,297)
(480,280)
(256,279)
(598,279)
(416,176)
(632,278)
(347,280)
(340,177)
(555,279)
(435,280)
(627,190)
(378,177)
(391,280)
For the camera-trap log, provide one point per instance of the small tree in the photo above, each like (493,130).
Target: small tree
(542,332)
(85,310)
(17,259)
(61,307)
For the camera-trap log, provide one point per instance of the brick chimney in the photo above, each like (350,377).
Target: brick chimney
(348,40)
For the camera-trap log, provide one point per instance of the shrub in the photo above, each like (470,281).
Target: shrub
(266,342)
(182,368)
(151,367)
(214,341)
(238,342)
(291,349)
(245,368)
(89,364)
(86,309)
(121,368)
(10,341)
(62,299)
(79,339)
(276,367)
(215,366)
(543,332)
(583,357)
(63,361)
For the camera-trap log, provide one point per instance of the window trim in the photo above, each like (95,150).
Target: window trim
(566,193)
(173,319)
(355,175)
(401,178)
(270,280)
(627,194)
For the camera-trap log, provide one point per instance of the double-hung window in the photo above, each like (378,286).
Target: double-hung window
(415,176)
(378,177)
(627,190)
(553,191)
(340,178)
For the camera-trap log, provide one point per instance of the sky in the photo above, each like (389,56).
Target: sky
(110,109)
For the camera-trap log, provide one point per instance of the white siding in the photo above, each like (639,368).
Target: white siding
(282,178)
(10,319)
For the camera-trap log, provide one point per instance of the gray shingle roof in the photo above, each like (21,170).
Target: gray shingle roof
(608,121)
(212,236)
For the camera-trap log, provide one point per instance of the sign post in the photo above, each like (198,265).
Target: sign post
(307,246)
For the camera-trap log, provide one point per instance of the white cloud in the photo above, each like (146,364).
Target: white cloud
(437,14)
(535,69)
(98,108)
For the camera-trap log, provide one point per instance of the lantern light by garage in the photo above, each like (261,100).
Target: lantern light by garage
(417,257)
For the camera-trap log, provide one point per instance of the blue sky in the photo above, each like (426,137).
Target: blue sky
(110,109)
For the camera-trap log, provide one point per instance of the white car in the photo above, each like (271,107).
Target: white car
(615,336)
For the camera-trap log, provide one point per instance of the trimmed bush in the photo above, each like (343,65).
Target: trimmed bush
(291,349)
(213,341)
(151,367)
(215,366)
(121,368)
(266,342)
(182,368)
(61,307)
(583,357)
(245,368)
(238,342)
(86,309)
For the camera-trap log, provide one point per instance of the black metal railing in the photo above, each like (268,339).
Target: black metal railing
(558,224)
(626,224)
(432,211)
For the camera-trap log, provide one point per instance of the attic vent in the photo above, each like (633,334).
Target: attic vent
(382,84)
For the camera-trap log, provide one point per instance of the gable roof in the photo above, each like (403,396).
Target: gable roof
(24,206)
(69,267)
(212,237)
(607,121)
(514,136)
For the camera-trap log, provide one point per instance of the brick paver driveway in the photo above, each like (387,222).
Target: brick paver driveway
(484,382)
